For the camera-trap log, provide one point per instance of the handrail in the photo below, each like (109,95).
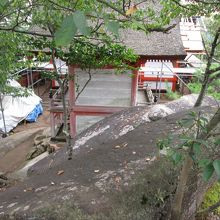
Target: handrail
(56,93)
(177,76)
(20,71)
(159,74)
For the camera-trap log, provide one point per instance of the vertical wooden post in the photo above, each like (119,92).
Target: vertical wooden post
(52,116)
(175,65)
(72,101)
(134,87)
(52,123)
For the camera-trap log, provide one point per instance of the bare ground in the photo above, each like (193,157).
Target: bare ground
(16,157)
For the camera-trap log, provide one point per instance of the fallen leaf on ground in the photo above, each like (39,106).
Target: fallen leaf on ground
(54,146)
(117,146)
(28,189)
(117,179)
(122,145)
(131,10)
(125,144)
(125,163)
(60,172)
(147,159)
(50,164)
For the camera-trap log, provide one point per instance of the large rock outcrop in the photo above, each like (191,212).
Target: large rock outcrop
(115,171)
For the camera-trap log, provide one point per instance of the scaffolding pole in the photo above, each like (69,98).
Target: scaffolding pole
(3,116)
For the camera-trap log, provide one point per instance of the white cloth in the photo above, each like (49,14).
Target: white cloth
(16,108)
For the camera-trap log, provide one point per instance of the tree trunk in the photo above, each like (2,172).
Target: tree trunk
(188,163)
(207,70)
(178,198)
(177,206)
(202,92)
(65,121)
(65,109)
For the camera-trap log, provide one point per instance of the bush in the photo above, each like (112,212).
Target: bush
(213,89)
(211,197)
(172,95)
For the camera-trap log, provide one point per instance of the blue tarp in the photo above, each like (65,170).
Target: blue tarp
(32,117)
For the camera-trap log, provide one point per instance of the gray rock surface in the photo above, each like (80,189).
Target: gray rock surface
(114,162)
(158,112)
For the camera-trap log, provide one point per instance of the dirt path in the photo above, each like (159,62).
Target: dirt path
(16,158)
(42,121)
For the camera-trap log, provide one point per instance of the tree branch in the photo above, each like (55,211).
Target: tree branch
(61,6)
(187,166)
(87,82)
(25,32)
(207,70)
(112,7)
(214,70)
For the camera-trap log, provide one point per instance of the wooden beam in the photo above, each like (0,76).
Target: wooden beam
(167,71)
(134,87)
(88,110)
(95,110)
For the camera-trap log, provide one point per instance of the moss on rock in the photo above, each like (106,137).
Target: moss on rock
(211,197)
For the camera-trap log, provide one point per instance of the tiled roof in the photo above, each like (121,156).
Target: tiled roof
(154,43)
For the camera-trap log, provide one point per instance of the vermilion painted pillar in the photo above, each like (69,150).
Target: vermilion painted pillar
(72,101)
(134,87)
(175,65)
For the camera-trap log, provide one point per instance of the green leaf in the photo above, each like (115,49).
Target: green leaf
(213,75)
(140,27)
(66,32)
(216,165)
(187,122)
(192,114)
(196,148)
(81,22)
(208,171)
(177,157)
(204,162)
(113,27)
(3,3)
(202,142)
(217,142)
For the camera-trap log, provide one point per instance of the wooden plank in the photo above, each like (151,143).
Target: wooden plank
(174,70)
(88,110)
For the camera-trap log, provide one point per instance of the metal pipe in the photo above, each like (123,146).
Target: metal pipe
(3,116)
(37,81)
(20,71)
(31,76)
(160,81)
(173,74)
(28,79)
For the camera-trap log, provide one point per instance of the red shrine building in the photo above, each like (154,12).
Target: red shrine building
(160,55)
